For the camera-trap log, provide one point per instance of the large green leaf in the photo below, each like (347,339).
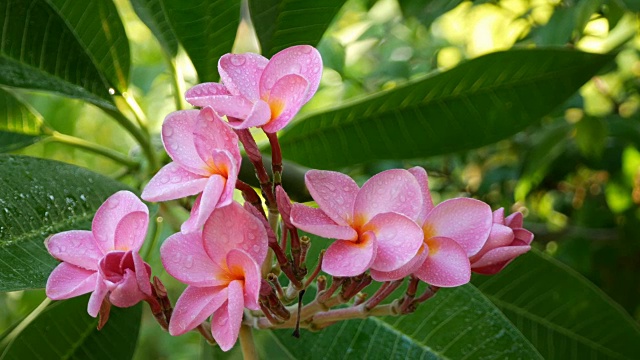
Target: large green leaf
(20,125)
(457,323)
(560,312)
(76,48)
(283,23)
(64,330)
(206,30)
(152,13)
(476,103)
(39,198)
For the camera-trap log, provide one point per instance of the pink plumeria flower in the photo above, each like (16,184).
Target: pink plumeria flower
(374,226)
(260,92)
(206,160)
(105,260)
(221,267)
(507,241)
(453,231)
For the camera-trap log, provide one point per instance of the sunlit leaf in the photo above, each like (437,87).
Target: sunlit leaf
(457,323)
(64,330)
(560,312)
(75,48)
(283,23)
(474,104)
(206,30)
(427,11)
(38,198)
(151,12)
(20,125)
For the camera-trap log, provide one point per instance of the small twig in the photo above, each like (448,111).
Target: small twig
(385,290)
(316,271)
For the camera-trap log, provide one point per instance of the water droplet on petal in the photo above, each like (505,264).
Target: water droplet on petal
(237,60)
(167,130)
(188,262)
(113,203)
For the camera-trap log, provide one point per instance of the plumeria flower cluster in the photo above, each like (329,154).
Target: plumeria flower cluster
(233,256)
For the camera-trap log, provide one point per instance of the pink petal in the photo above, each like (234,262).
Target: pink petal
(467,221)
(211,133)
(317,222)
(498,216)
(178,140)
(67,281)
(184,257)
(233,227)
(97,297)
(194,306)
(126,292)
(285,100)
(514,220)
(427,203)
(243,263)
(303,60)
(241,73)
(199,94)
(523,235)
(259,115)
(334,192)
(205,204)
(347,258)
(76,247)
(405,270)
(173,182)
(500,236)
(228,105)
(389,191)
(143,273)
(499,256)
(109,215)
(226,321)
(398,239)
(131,231)
(447,264)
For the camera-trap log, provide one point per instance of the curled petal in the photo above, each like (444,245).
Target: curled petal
(317,222)
(76,247)
(226,321)
(109,215)
(447,264)
(498,216)
(496,259)
(500,236)
(241,73)
(238,259)
(405,270)
(285,100)
(389,191)
(131,231)
(211,133)
(184,257)
(177,137)
(194,306)
(205,204)
(348,258)
(303,60)
(233,227)
(199,94)
(523,235)
(427,203)
(97,297)
(398,239)
(173,182)
(334,192)
(467,221)
(67,281)
(126,293)
(143,273)
(514,220)
(259,115)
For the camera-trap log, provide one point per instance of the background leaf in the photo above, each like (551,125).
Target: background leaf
(152,13)
(476,103)
(457,323)
(20,125)
(206,30)
(39,198)
(429,12)
(284,23)
(64,330)
(76,48)
(560,312)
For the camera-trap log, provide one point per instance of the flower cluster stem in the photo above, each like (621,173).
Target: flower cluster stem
(247,343)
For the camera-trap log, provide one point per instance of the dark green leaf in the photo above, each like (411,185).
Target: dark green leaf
(474,104)
(64,330)
(39,198)
(20,125)
(427,11)
(560,312)
(283,23)
(591,134)
(457,323)
(633,5)
(154,16)
(206,30)
(567,23)
(76,48)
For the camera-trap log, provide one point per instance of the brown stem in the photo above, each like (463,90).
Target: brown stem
(276,158)
(316,271)
(205,330)
(251,148)
(385,290)
(250,195)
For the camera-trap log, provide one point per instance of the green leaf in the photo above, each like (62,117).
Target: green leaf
(560,312)
(64,330)
(20,125)
(206,30)
(457,323)
(38,198)
(151,12)
(633,5)
(429,12)
(474,104)
(75,48)
(284,23)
